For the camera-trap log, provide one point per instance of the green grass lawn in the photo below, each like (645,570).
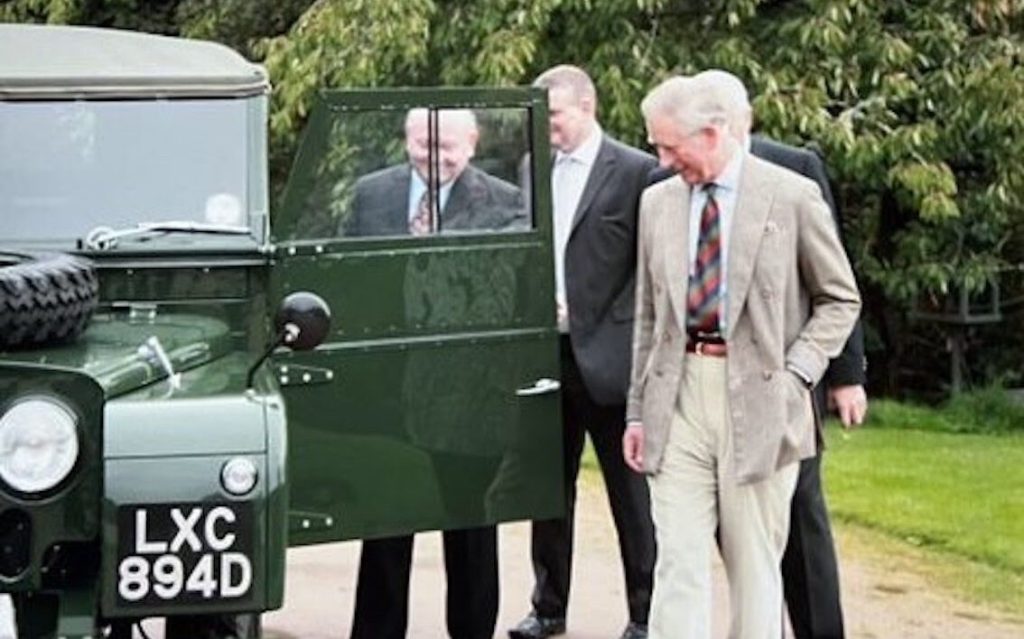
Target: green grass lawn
(958,495)
(939,491)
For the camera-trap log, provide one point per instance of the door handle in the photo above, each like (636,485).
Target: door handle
(542,386)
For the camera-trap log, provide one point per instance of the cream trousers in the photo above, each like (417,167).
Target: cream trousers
(694,495)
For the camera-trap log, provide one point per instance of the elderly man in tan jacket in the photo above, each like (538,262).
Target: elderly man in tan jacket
(744,293)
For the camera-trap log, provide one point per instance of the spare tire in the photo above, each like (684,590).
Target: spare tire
(44,298)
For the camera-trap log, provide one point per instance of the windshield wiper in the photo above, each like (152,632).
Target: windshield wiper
(104,238)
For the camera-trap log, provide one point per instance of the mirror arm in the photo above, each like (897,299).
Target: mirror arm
(288,334)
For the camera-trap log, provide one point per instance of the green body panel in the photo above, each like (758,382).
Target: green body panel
(200,307)
(167,444)
(210,417)
(176,480)
(153,427)
(407,417)
(227,286)
(152,442)
(109,350)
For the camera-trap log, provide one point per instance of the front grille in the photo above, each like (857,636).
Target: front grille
(15,542)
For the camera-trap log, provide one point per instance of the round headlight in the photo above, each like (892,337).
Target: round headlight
(238,476)
(38,444)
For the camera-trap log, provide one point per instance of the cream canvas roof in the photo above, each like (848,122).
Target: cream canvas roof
(45,61)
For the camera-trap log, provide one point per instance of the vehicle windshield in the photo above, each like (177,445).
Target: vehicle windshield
(67,168)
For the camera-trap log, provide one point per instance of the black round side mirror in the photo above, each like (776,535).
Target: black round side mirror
(303,319)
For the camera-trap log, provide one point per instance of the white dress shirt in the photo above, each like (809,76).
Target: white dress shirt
(568,178)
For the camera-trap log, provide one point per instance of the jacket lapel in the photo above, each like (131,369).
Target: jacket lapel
(752,206)
(460,200)
(398,216)
(675,223)
(604,164)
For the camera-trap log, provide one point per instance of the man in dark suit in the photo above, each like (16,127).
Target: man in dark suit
(809,567)
(596,184)
(397,201)
(810,572)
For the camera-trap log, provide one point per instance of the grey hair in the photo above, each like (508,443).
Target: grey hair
(735,96)
(567,76)
(710,98)
(459,119)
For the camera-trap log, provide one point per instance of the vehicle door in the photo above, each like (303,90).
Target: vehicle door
(433,403)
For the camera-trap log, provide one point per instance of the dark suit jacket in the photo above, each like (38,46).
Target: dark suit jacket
(600,264)
(380,206)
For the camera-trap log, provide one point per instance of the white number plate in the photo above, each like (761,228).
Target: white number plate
(184,553)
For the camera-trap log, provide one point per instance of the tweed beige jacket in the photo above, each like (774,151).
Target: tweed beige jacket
(792,302)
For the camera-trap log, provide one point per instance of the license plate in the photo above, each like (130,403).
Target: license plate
(184,553)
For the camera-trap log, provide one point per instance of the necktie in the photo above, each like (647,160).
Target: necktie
(705,297)
(420,222)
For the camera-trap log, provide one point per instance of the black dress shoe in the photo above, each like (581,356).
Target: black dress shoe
(537,627)
(635,630)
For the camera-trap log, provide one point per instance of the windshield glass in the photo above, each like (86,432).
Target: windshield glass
(69,167)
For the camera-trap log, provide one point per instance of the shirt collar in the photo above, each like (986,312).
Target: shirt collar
(418,182)
(421,185)
(417,186)
(586,152)
(729,178)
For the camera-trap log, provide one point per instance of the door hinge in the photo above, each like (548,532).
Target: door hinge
(299,250)
(301,520)
(297,375)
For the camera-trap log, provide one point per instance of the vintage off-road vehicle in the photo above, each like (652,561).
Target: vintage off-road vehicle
(191,382)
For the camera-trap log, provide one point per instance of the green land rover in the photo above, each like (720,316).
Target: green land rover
(191,380)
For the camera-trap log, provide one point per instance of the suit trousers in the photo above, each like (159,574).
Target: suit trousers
(552,542)
(382,593)
(470,562)
(693,495)
(810,574)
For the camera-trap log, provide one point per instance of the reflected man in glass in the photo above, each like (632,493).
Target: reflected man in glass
(396,200)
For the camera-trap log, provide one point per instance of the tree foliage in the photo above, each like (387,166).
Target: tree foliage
(917,105)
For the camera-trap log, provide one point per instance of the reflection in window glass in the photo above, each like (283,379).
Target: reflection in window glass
(495,191)
(68,167)
(418,173)
(352,144)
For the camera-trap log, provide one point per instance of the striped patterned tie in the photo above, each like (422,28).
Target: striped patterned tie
(420,224)
(705,297)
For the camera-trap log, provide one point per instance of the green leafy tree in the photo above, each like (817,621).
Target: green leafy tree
(917,106)
(241,24)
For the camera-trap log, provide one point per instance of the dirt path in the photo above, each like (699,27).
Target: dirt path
(884,596)
(882,601)
(887,595)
